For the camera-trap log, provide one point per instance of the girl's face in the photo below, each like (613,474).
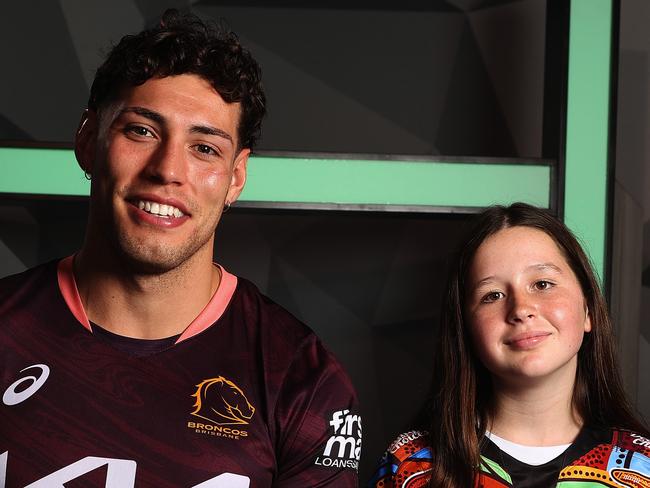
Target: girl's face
(525,308)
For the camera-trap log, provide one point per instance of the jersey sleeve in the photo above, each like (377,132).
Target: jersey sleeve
(319,441)
(624,460)
(405,464)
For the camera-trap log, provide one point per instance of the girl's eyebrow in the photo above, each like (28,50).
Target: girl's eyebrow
(534,267)
(484,281)
(487,279)
(545,267)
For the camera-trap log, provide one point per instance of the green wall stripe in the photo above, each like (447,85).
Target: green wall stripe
(41,172)
(585,206)
(320,181)
(396,182)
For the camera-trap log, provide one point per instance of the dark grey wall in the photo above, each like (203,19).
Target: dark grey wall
(444,77)
(631,236)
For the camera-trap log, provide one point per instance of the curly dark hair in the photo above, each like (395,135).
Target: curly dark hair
(184,44)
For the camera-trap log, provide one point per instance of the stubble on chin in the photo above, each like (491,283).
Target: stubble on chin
(146,253)
(152,257)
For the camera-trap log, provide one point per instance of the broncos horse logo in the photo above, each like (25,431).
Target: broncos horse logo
(221,401)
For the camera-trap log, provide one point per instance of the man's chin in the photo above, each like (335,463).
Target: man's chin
(142,267)
(151,263)
(157,256)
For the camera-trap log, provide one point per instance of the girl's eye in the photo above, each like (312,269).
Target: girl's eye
(543,285)
(493,296)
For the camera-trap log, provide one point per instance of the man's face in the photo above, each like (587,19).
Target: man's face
(164,160)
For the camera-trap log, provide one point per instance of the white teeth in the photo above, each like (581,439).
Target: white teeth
(159,209)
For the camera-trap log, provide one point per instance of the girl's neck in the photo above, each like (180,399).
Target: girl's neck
(535,416)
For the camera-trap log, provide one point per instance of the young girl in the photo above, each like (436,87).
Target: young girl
(526,391)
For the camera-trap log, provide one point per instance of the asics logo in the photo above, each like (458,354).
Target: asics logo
(23,388)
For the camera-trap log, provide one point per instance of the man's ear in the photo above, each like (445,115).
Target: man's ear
(85,141)
(238,178)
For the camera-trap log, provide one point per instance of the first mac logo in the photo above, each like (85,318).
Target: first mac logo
(222,403)
(343,448)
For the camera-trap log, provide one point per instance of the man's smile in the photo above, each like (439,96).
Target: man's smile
(159,209)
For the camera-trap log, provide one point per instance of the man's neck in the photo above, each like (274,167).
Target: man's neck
(143,305)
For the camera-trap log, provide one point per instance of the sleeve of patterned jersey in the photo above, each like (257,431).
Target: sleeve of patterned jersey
(405,464)
(318,424)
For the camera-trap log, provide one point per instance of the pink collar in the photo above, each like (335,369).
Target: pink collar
(208,316)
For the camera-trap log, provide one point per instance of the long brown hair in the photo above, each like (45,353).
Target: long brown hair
(462,386)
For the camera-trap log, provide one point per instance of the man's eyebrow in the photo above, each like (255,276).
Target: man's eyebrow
(210,131)
(145,112)
(195,129)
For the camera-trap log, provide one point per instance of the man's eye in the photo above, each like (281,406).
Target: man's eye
(138,130)
(493,296)
(205,149)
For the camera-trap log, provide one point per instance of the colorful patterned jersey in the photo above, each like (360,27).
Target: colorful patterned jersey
(596,459)
(247,396)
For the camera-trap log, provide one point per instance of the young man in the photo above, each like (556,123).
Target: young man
(137,361)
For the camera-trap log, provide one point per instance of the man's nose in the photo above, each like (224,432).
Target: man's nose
(168,163)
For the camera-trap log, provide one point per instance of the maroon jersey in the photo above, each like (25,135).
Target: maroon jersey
(247,396)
